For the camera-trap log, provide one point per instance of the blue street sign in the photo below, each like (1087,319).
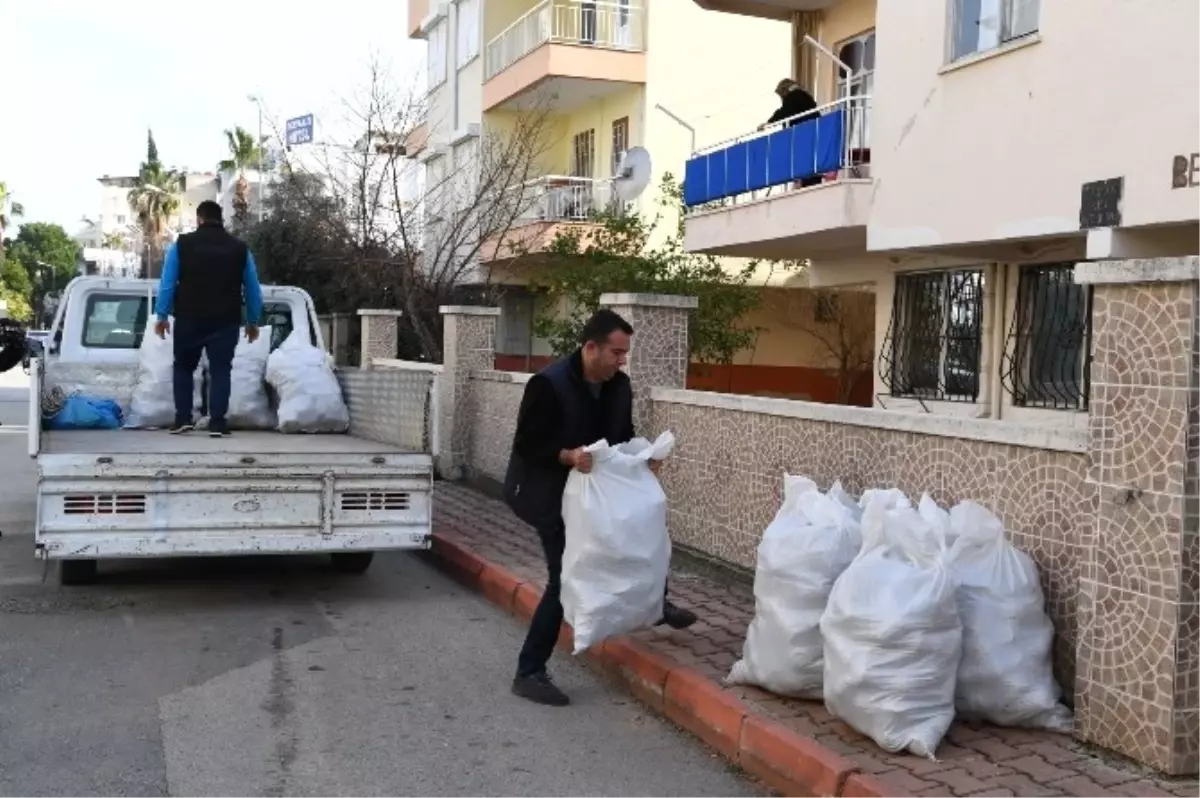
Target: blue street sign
(300,130)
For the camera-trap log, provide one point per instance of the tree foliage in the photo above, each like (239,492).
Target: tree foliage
(244,153)
(615,254)
(352,226)
(154,199)
(39,260)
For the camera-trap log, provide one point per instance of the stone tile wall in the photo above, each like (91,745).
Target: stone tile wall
(469,346)
(725,479)
(495,399)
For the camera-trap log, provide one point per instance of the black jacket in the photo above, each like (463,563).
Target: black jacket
(558,411)
(797,101)
(212,265)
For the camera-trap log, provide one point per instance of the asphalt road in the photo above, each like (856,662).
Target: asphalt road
(261,676)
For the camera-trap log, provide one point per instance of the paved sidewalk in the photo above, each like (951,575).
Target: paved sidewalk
(793,745)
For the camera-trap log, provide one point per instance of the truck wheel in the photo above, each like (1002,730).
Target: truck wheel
(352,562)
(76,572)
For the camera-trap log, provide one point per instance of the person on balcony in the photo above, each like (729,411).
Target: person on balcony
(796,105)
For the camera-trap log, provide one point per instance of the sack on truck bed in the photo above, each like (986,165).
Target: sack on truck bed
(812,540)
(249,406)
(1005,676)
(153,402)
(310,398)
(893,638)
(618,551)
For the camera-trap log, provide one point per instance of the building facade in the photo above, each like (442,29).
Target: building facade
(608,75)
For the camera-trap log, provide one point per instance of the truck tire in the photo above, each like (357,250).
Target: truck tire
(76,572)
(352,562)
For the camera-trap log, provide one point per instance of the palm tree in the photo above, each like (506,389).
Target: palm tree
(154,199)
(9,210)
(245,153)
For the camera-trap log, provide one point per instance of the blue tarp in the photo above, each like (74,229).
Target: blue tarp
(793,153)
(86,412)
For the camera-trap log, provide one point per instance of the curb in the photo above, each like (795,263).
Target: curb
(784,760)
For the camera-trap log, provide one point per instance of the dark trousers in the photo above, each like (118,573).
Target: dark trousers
(547,620)
(218,341)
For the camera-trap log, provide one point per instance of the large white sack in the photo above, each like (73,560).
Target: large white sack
(617,551)
(310,398)
(893,638)
(1005,676)
(249,405)
(153,401)
(812,540)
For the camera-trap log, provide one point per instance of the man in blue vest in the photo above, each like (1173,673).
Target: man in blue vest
(207,276)
(583,398)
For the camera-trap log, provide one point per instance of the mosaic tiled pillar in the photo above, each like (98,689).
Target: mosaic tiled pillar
(469,344)
(380,335)
(1136,689)
(659,355)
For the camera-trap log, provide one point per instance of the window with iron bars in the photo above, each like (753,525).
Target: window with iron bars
(934,341)
(583,154)
(1048,354)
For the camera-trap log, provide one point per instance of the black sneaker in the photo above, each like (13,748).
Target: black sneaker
(179,429)
(218,433)
(540,689)
(676,617)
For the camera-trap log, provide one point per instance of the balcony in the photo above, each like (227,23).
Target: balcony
(571,50)
(547,205)
(795,189)
(766,9)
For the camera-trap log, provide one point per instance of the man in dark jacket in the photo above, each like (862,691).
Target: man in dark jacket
(207,275)
(583,398)
(793,102)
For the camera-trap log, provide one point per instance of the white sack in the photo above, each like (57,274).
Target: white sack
(617,551)
(310,398)
(893,638)
(153,401)
(812,540)
(1005,676)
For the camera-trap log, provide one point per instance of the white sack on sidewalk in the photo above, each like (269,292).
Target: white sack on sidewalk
(893,638)
(812,540)
(249,405)
(310,398)
(1005,676)
(618,551)
(153,402)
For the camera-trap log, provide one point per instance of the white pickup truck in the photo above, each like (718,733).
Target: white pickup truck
(142,493)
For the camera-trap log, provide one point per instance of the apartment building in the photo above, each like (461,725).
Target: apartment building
(612,74)
(967,154)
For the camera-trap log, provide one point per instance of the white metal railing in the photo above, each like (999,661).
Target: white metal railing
(555,198)
(606,25)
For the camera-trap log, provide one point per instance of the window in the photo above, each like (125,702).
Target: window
(977,26)
(859,81)
(466,166)
(934,341)
(277,316)
(620,141)
(467,46)
(120,219)
(115,321)
(583,154)
(436,54)
(1047,362)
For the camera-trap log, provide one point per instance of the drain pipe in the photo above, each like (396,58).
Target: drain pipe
(679,122)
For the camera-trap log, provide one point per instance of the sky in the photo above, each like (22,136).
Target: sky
(85,80)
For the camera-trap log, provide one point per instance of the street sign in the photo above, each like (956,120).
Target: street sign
(300,130)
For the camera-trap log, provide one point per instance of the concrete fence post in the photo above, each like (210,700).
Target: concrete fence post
(469,345)
(380,335)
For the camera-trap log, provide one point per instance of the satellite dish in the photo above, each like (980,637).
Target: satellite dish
(633,175)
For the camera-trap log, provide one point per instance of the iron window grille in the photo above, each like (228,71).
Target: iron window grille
(934,341)
(1048,354)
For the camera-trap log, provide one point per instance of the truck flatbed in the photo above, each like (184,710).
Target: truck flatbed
(259,442)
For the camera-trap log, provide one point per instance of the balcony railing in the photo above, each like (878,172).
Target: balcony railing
(826,144)
(605,25)
(555,198)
